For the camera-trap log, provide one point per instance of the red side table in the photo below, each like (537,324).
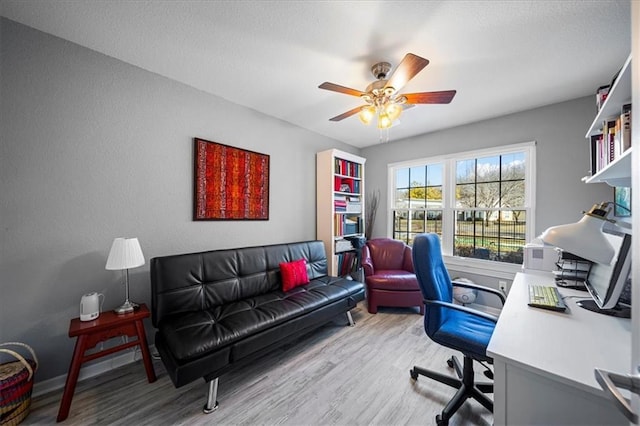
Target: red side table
(108,325)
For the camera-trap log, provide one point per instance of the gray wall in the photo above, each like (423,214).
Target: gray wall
(562,157)
(93,149)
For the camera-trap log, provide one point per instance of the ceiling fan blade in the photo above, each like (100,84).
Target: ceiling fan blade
(407,69)
(346,114)
(443,97)
(340,89)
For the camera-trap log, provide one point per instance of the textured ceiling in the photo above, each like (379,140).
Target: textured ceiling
(501,56)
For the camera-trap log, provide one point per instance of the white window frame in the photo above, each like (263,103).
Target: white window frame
(499,269)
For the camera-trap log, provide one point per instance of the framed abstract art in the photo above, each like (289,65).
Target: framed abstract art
(230,183)
(622,199)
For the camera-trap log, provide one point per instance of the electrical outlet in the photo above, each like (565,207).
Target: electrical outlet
(502,285)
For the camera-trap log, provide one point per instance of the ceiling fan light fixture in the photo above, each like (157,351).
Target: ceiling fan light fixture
(393,110)
(383,102)
(366,114)
(384,122)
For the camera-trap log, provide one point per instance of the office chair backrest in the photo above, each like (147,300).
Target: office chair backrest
(433,278)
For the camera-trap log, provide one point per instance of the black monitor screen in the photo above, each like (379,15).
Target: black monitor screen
(607,281)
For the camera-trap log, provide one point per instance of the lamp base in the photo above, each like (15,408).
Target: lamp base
(126,307)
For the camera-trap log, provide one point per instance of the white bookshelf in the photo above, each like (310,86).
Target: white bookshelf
(328,220)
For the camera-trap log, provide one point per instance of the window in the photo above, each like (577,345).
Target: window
(480,202)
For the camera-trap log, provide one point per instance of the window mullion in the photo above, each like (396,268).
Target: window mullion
(448,199)
(491,236)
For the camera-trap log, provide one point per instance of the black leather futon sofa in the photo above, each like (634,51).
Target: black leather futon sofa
(215,310)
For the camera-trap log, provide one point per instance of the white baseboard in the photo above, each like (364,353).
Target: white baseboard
(88,371)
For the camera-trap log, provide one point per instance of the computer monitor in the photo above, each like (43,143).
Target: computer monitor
(606,282)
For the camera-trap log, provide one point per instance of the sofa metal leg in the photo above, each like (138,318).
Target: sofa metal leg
(350,318)
(212,395)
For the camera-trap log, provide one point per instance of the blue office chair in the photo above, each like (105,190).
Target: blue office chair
(454,326)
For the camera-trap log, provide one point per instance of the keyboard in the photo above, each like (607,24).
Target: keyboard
(545,297)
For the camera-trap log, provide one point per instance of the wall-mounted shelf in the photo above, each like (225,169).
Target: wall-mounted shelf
(618,95)
(617,173)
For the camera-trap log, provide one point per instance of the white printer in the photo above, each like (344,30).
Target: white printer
(540,257)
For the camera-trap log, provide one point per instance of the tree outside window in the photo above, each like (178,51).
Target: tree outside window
(489,210)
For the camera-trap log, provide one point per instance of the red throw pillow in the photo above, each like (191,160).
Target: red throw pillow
(293,274)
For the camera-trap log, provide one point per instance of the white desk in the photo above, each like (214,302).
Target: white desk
(544,360)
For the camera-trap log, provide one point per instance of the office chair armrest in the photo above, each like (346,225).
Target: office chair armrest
(461,308)
(481,288)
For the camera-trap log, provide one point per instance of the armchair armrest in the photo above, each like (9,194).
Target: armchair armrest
(366,261)
(482,288)
(470,311)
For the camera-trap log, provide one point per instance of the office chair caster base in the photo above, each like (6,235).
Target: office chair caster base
(440,421)
(414,374)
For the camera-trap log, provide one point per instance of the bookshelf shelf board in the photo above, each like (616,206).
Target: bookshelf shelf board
(345,251)
(348,177)
(618,95)
(615,173)
(342,237)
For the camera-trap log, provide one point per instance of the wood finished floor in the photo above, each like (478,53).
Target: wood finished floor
(337,375)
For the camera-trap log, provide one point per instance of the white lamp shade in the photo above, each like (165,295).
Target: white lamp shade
(125,253)
(583,238)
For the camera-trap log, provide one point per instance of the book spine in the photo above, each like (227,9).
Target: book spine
(611,143)
(625,127)
(594,154)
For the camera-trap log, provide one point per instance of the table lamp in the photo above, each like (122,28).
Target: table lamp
(125,254)
(585,237)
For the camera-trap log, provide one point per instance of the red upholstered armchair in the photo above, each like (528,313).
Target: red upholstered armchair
(389,276)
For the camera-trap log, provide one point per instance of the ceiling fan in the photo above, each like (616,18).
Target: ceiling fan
(382,98)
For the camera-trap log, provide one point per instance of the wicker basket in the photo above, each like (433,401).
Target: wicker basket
(16,384)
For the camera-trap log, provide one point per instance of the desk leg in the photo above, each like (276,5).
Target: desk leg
(144,348)
(499,393)
(72,377)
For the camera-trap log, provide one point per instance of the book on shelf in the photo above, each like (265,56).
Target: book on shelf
(343,245)
(345,224)
(354,207)
(350,226)
(601,96)
(625,127)
(347,263)
(340,205)
(347,168)
(609,131)
(594,154)
(614,140)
